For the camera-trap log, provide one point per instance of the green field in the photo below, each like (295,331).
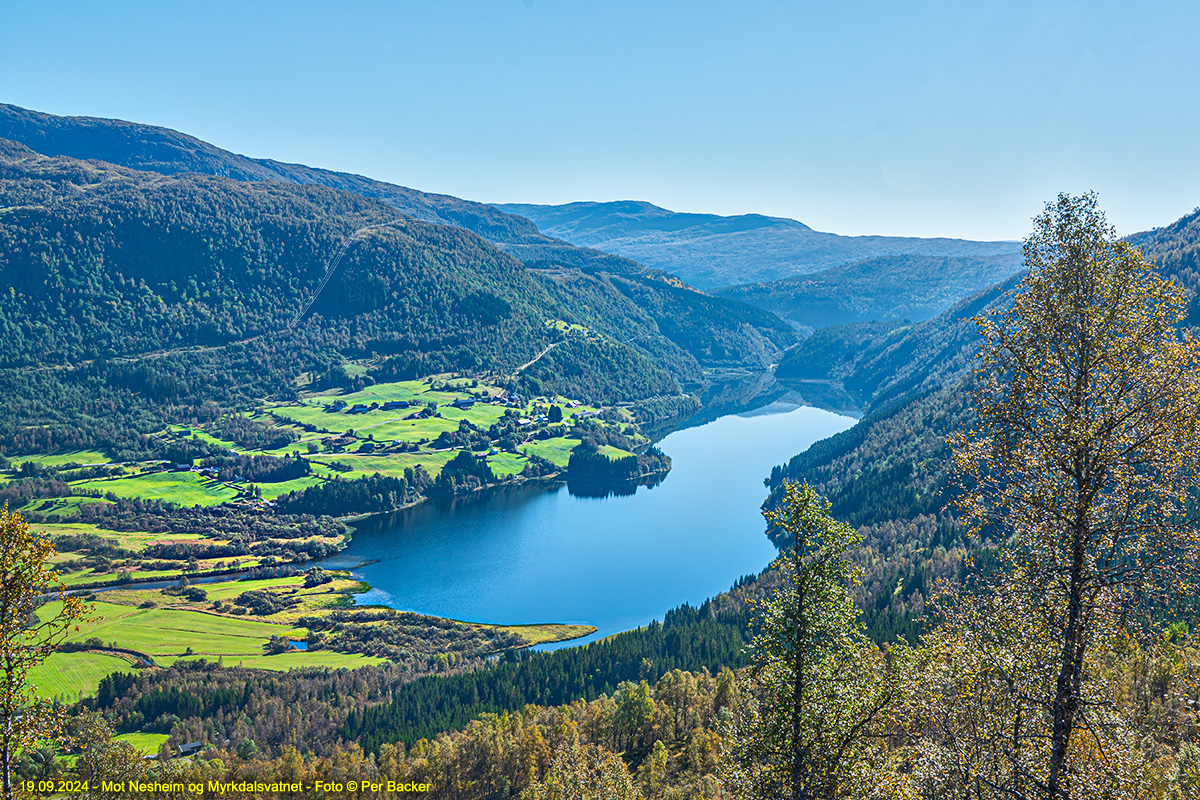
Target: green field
(551,632)
(505,464)
(385,426)
(389,464)
(58,459)
(167,635)
(556,449)
(147,743)
(63,506)
(132,540)
(299,659)
(66,675)
(184,488)
(203,436)
(272,490)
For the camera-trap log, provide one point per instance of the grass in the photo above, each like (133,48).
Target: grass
(184,488)
(130,540)
(187,632)
(272,490)
(63,506)
(66,675)
(566,327)
(146,743)
(58,459)
(505,464)
(167,634)
(393,465)
(550,632)
(204,436)
(299,659)
(556,449)
(387,425)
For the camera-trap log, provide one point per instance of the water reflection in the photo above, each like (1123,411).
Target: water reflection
(614,559)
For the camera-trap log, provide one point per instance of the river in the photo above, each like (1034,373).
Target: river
(533,553)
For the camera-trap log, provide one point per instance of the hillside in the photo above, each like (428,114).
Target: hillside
(145,291)
(683,352)
(893,287)
(885,362)
(708,250)
(125,293)
(156,149)
(888,474)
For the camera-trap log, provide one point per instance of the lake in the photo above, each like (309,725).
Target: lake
(542,554)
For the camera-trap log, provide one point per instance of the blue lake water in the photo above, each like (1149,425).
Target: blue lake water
(536,554)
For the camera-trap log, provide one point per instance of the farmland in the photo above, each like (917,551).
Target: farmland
(121,524)
(213,622)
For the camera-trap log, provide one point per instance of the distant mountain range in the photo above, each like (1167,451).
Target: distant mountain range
(916,279)
(910,287)
(709,251)
(889,363)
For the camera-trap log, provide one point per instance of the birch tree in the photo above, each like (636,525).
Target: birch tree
(1084,462)
(27,637)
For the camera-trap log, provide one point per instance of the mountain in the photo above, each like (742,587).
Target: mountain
(888,474)
(896,287)
(884,363)
(696,332)
(708,250)
(156,149)
(125,293)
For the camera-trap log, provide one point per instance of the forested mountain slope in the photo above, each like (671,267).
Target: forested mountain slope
(155,149)
(102,261)
(127,293)
(698,330)
(894,287)
(888,475)
(708,250)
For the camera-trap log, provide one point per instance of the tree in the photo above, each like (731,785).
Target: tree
(584,772)
(1082,461)
(817,685)
(27,637)
(103,758)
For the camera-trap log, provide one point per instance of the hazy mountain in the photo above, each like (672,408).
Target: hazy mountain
(684,349)
(885,363)
(898,287)
(708,250)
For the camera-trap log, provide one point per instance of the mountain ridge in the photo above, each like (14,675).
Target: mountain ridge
(709,250)
(154,148)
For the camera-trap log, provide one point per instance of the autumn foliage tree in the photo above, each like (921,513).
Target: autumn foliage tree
(1083,461)
(27,638)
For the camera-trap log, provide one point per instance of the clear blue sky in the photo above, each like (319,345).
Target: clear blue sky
(915,118)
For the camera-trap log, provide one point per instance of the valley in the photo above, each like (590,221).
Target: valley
(490,480)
